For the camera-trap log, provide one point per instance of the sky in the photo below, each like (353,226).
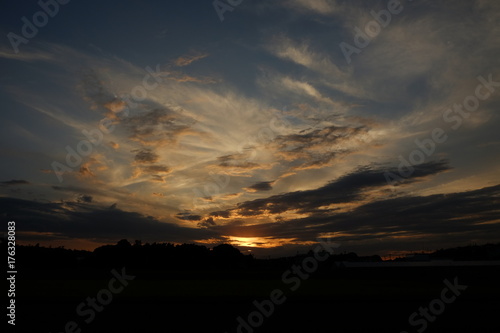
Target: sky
(264,124)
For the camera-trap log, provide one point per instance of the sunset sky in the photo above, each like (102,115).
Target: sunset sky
(287,121)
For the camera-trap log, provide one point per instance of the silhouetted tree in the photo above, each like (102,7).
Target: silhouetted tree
(123,243)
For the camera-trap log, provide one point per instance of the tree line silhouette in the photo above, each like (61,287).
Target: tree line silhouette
(167,256)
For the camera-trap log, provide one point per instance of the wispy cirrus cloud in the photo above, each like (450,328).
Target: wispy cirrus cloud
(324,7)
(26,56)
(316,147)
(187,60)
(301,53)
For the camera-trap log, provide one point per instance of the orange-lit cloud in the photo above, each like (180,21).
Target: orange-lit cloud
(188,59)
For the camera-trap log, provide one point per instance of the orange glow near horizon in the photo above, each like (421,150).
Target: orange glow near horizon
(73,244)
(264,242)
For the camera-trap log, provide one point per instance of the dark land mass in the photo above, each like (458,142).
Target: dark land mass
(190,288)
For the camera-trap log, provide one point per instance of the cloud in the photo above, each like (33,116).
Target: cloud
(156,172)
(323,71)
(389,224)
(85,171)
(187,216)
(90,168)
(116,105)
(183,131)
(224,214)
(102,224)
(157,178)
(261,186)
(84,198)
(314,89)
(94,90)
(181,77)
(346,189)
(240,161)
(206,223)
(302,54)
(304,88)
(317,147)
(156,169)
(26,55)
(323,7)
(239,164)
(188,59)
(157,127)
(14,182)
(146,156)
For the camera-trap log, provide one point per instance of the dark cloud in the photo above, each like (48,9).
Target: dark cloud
(348,188)
(404,223)
(157,178)
(187,216)
(156,169)
(14,182)
(78,190)
(237,161)
(115,194)
(90,221)
(84,198)
(157,127)
(221,213)
(262,186)
(157,172)
(206,223)
(58,188)
(146,156)
(317,147)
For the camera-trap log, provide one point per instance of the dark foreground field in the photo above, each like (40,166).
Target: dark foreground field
(332,300)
